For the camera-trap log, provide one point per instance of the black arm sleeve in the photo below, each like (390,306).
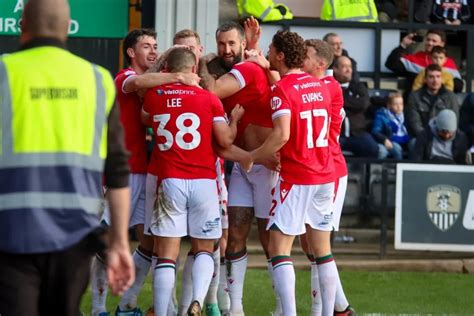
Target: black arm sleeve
(458,85)
(116,169)
(393,61)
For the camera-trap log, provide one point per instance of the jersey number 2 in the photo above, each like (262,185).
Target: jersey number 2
(322,140)
(163,119)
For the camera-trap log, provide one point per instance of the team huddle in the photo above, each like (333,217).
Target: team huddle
(278,118)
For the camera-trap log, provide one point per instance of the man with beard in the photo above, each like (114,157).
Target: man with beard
(249,193)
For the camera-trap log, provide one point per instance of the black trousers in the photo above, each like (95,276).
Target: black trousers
(46,284)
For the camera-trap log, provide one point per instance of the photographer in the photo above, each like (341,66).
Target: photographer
(409,65)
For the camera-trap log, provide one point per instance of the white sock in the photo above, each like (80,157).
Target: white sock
(223,292)
(163,283)
(203,269)
(142,266)
(341,300)
(99,285)
(211,297)
(284,279)
(186,285)
(278,308)
(237,263)
(316,302)
(327,271)
(173,304)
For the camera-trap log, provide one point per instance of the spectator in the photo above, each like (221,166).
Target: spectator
(442,141)
(409,65)
(388,128)
(428,101)
(451,12)
(336,44)
(438,56)
(349,10)
(466,117)
(354,135)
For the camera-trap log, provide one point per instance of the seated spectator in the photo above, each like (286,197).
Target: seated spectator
(427,102)
(438,56)
(388,128)
(349,10)
(336,44)
(466,119)
(354,135)
(442,141)
(409,65)
(451,12)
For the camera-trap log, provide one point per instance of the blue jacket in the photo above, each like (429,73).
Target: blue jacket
(385,126)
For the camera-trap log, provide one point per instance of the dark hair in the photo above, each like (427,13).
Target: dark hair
(323,49)
(440,33)
(180,59)
(438,50)
(338,59)
(328,35)
(229,26)
(132,39)
(185,34)
(292,46)
(431,68)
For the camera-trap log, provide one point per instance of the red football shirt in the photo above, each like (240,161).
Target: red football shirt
(183,118)
(306,157)
(134,130)
(337,116)
(254,95)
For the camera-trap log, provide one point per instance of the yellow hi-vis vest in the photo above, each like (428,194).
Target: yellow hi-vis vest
(53,141)
(264,10)
(349,10)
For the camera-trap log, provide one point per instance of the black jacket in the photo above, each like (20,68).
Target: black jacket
(424,143)
(356,102)
(466,117)
(420,108)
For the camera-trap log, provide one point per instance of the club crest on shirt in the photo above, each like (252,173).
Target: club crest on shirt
(443,203)
(276,103)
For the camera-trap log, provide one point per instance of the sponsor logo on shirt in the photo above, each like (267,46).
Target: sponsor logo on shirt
(178,91)
(276,103)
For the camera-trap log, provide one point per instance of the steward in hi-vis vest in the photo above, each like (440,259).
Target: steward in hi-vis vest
(264,10)
(349,10)
(59,130)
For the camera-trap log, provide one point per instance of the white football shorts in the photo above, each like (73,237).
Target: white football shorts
(252,189)
(137,205)
(187,207)
(295,205)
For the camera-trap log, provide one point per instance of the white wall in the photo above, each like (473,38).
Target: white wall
(174,15)
(360,43)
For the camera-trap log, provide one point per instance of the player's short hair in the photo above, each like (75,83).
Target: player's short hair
(438,32)
(292,46)
(328,35)
(438,50)
(180,59)
(132,39)
(392,96)
(322,48)
(431,68)
(185,34)
(229,26)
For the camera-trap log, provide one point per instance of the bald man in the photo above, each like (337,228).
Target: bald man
(49,227)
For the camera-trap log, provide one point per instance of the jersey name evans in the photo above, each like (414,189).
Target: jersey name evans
(312,97)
